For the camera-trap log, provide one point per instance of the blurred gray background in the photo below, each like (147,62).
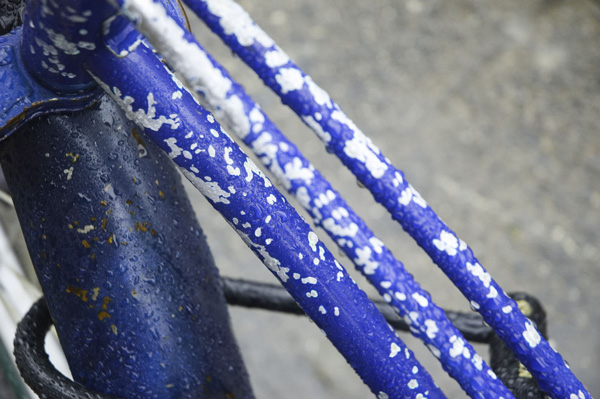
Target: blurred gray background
(491,108)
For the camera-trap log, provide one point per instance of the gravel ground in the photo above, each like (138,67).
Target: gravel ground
(491,110)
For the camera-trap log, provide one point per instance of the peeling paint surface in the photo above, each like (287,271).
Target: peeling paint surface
(253,198)
(324,204)
(389,186)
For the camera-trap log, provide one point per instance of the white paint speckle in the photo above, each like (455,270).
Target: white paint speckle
(289,79)
(271,199)
(531,335)
(432,328)
(447,243)
(394,349)
(309,280)
(276,58)
(69,173)
(421,300)
(86,229)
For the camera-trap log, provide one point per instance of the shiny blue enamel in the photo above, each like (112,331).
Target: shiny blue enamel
(265,221)
(390,188)
(21,98)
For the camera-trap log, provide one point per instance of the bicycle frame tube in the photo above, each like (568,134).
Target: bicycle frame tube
(110,232)
(109,229)
(266,222)
(390,188)
(328,209)
(260,214)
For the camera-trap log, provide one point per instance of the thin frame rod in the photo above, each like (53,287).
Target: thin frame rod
(236,188)
(390,188)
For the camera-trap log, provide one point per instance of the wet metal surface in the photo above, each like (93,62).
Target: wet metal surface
(490,109)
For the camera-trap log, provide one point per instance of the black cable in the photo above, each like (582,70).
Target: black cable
(33,363)
(273,297)
(49,383)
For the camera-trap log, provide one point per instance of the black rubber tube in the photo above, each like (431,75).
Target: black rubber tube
(47,382)
(33,363)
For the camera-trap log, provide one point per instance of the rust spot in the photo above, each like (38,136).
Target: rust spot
(93,256)
(108,212)
(140,227)
(134,180)
(43,236)
(169,386)
(86,244)
(79,292)
(106,301)
(96,239)
(153,232)
(74,157)
(134,293)
(111,239)
(104,223)
(129,202)
(103,315)
(123,242)
(103,203)
(161,194)
(70,226)
(136,136)
(93,219)
(114,329)
(95,293)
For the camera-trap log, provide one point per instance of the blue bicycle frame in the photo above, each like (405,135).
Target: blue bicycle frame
(77,51)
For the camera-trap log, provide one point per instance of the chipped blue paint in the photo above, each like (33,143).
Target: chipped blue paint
(229,101)
(21,98)
(153,98)
(389,187)
(58,37)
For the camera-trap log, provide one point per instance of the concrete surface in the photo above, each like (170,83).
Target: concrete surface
(491,108)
